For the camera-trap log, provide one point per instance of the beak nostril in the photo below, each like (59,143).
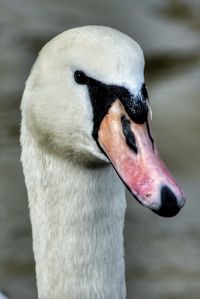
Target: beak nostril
(169,204)
(130,138)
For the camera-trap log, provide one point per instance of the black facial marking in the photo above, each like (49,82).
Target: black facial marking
(130,138)
(136,107)
(102,96)
(80,77)
(144,91)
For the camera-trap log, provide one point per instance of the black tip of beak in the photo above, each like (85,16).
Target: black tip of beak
(169,204)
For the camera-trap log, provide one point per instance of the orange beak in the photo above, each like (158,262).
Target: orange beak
(132,152)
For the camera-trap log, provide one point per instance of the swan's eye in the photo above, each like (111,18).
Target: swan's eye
(80,77)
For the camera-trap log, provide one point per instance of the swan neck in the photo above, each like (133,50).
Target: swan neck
(77,216)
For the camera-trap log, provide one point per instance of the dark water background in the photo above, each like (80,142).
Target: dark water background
(162,255)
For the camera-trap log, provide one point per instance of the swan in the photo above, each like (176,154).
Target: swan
(84,137)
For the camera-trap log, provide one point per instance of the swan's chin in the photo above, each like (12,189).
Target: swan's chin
(131,150)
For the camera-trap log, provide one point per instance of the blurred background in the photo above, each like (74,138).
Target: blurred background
(162,255)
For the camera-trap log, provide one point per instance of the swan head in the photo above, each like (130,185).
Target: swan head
(86,100)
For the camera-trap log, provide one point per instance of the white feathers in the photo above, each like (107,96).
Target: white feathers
(77,202)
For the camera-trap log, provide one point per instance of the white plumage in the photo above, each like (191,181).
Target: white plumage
(77,202)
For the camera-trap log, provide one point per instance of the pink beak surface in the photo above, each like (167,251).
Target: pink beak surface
(131,150)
